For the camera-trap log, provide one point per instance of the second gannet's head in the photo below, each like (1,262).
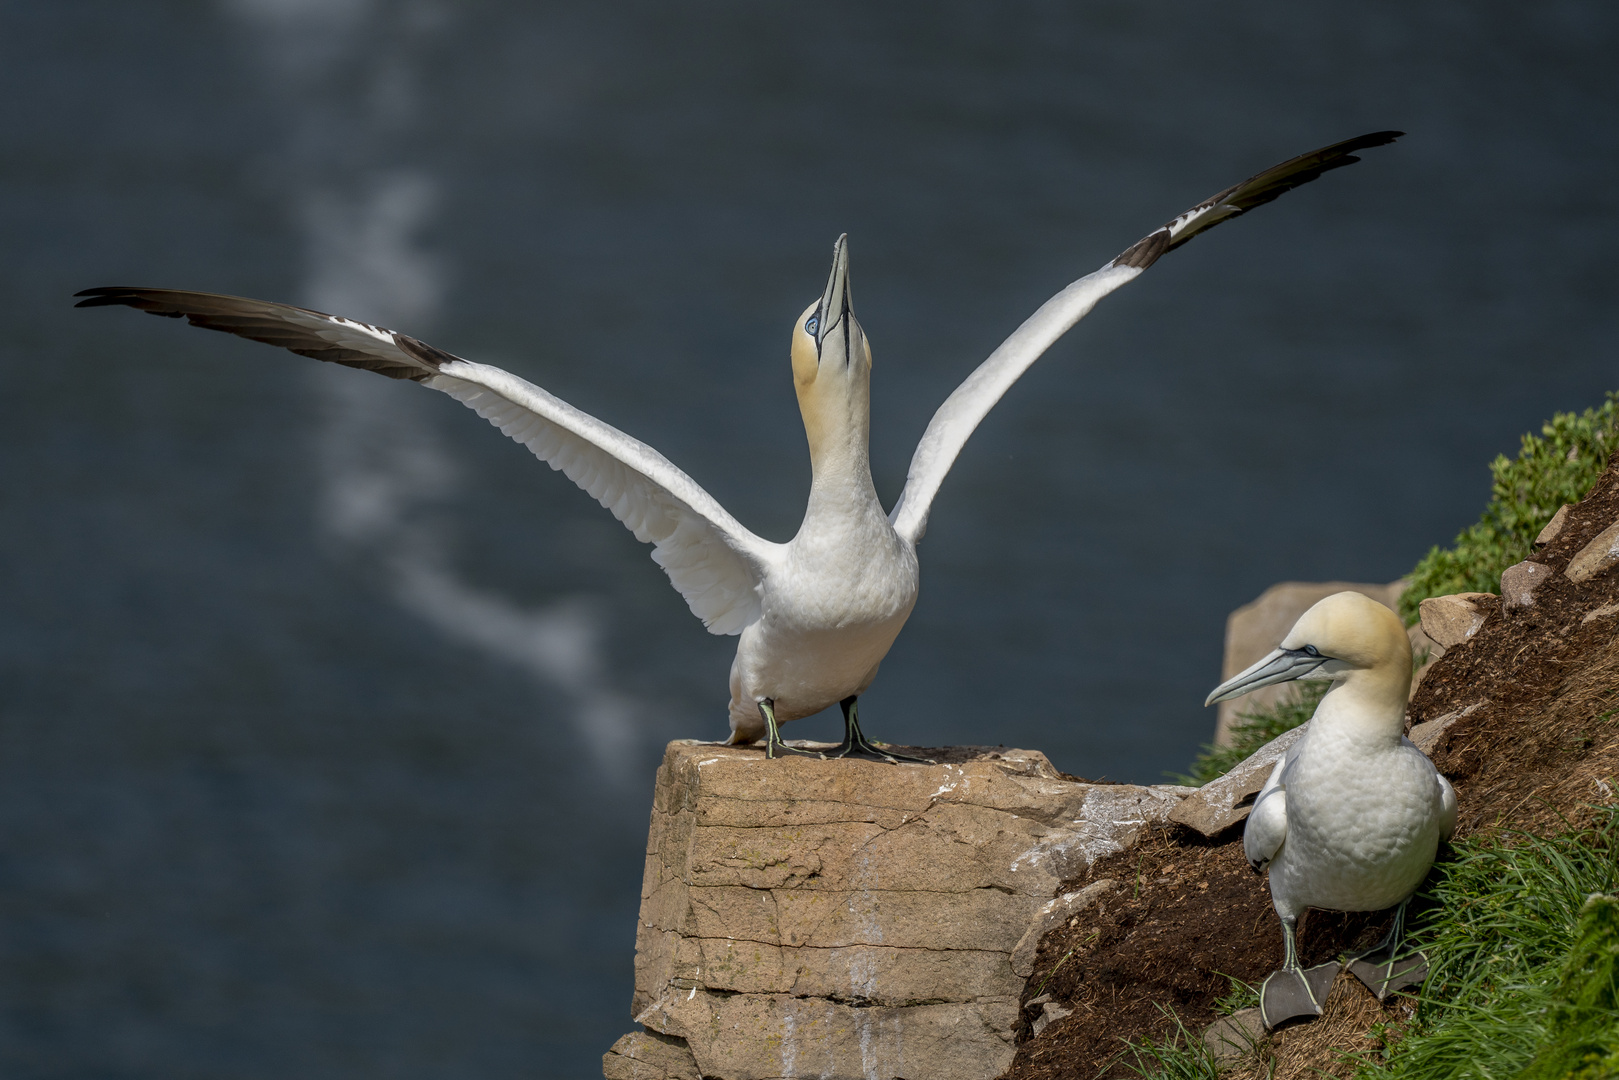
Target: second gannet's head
(832,361)
(1346,636)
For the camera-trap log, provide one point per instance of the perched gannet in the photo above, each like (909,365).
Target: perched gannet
(817,614)
(1352,815)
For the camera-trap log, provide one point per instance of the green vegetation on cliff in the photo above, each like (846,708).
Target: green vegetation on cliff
(1555,467)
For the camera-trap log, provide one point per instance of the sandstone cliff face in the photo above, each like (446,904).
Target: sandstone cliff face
(854,918)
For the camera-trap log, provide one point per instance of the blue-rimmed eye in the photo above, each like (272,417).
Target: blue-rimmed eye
(811,324)
(1312,650)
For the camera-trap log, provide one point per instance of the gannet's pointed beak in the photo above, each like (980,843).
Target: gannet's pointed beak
(835,303)
(1282,665)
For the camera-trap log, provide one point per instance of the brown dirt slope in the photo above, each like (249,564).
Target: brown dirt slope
(1542,745)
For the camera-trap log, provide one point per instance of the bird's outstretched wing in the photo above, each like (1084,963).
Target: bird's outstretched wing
(714,562)
(972,400)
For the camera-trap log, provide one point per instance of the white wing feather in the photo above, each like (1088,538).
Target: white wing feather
(962,411)
(715,563)
(1266,830)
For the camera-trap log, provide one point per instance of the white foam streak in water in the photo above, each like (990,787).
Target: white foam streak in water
(381,464)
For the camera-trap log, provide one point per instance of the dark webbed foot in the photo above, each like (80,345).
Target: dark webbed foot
(774,747)
(1381,967)
(855,743)
(1294,992)
(1384,976)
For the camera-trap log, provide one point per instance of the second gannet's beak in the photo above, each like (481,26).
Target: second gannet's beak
(835,318)
(1282,665)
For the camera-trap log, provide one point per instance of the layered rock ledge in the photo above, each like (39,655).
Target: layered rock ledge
(855,919)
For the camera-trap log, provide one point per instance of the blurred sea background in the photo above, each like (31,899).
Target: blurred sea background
(328,717)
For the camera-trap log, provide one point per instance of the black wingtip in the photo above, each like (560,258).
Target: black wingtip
(1257,190)
(1345,151)
(107,295)
(98,297)
(434,358)
(128,296)
(1377,138)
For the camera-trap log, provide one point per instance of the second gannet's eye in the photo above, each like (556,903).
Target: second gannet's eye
(811,324)
(1312,650)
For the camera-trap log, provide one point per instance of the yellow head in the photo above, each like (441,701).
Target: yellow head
(1347,636)
(1354,632)
(832,367)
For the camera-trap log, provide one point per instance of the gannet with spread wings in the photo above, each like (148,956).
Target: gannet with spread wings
(817,614)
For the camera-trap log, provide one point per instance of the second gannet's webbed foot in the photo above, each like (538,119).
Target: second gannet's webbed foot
(854,740)
(1386,976)
(774,747)
(1286,994)
(1381,967)
(1294,991)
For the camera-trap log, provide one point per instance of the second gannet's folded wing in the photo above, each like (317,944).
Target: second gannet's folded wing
(715,563)
(961,412)
(1266,830)
(1446,802)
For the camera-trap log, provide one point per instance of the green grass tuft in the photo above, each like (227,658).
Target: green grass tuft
(1253,730)
(1523,963)
(1555,467)
(1180,1056)
(1241,996)
(1584,1020)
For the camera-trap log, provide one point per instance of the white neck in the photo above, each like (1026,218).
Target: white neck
(841,466)
(837,421)
(1368,703)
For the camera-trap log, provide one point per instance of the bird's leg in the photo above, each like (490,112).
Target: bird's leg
(1290,944)
(854,740)
(1391,940)
(773,744)
(1294,991)
(1380,967)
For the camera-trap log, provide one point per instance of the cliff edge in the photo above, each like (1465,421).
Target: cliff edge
(855,918)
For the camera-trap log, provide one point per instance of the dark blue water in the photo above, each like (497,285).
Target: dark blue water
(329,717)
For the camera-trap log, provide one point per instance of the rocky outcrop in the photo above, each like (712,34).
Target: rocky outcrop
(1450,620)
(1553,528)
(853,918)
(1519,582)
(1599,556)
(648,1055)
(1221,803)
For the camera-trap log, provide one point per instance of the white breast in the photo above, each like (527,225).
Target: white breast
(1363,824)
(828,617)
